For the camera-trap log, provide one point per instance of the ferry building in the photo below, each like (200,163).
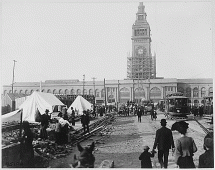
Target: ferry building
(141,82)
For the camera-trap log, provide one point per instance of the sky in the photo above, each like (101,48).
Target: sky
(52,40)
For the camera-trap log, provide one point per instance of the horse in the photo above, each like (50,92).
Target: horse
(86,158)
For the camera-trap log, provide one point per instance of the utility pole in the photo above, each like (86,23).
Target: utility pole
(83,83)
(94,90)
(14,61)
(105,95)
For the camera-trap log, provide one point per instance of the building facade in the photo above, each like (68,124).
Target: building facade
(141,65)
(121,91)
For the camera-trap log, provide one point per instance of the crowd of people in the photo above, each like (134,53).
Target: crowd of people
(183,150)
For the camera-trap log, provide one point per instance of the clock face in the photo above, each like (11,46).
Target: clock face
(141,51)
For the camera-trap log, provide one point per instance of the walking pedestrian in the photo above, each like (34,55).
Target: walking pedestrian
(145,157)
(152,114)
(185,147)
(164,142)
(139,115)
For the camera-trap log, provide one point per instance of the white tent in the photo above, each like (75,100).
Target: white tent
(79,105)
(12,116)
(37,100)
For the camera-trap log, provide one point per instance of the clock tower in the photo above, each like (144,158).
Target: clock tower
(141,65)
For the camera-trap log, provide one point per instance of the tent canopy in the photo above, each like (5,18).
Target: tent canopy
(12,116)
(37,101)
(80,104)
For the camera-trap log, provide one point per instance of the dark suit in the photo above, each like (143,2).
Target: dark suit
(164,142)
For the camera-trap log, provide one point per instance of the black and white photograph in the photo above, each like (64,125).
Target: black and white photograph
(107,84)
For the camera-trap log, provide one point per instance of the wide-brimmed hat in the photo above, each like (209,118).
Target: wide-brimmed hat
(146,148)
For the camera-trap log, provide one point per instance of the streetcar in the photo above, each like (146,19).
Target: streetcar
(176,105)
(208,105)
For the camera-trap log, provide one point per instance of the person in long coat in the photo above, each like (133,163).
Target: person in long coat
(163,141)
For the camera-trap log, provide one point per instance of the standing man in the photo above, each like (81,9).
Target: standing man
(139,114)
(73,117)
(85,120)
(164,141)
(45,118)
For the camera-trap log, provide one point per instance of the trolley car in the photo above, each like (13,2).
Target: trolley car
(208,105)
(176,106)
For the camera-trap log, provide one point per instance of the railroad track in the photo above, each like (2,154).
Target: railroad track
(94,128)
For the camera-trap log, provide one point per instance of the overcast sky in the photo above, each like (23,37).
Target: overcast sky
(65,39)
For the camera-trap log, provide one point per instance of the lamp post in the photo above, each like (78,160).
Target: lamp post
(14,61)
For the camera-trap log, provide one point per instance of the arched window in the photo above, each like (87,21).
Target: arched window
(15,91)
(66,91)
(124,95)
(85,92)
(54,91)
(97,92)
(139,93)
(10,91)
(195,92)
(196,102)
(91,92)
(60,91)
(210,91)
(203,92)
(48,91)
(180,89)
(72,92)
(78,92)
(20,91)
(103,93)
(188,92)
(43,90)
(31,91)
(37,90)
(155,93)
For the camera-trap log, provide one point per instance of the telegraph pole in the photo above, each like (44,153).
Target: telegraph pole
(105,95)
(83,83)
(94,90)
(14,61)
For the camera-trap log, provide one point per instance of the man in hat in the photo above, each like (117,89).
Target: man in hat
(164,141)
(45,118)
(145,157)
(206,160)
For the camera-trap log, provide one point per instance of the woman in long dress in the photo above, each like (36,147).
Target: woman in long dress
(185,148)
